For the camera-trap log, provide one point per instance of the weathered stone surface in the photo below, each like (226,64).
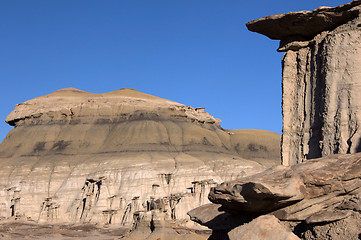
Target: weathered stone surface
(265,192)
(321,80)
(78,157)
(266,227)
(304,24)
(211,216)
(317,199)
(309,191)
(347,228)
(321,86)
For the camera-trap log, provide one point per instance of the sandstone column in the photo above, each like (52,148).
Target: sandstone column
(321,84)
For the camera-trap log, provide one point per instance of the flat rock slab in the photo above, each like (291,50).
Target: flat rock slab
(304,23)
(213,217)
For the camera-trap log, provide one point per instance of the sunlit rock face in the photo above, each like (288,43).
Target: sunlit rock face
(321,79)
(119,157)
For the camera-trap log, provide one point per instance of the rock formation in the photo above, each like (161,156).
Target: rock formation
(317,199)
(119,158)
(321,79)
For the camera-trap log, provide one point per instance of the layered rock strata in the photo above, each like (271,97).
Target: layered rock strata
(317,199)
(119,158)
(321,79)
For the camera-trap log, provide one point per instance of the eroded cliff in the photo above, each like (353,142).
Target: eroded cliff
(119,157)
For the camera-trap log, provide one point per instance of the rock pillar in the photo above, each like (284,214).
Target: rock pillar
(321,71)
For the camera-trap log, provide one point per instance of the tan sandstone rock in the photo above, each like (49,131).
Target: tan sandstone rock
(265,227)
(116,158)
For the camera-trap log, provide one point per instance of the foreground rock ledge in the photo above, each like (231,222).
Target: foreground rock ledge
(307,191)
(309,198)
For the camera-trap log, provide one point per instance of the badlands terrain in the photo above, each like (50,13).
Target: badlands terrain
(120,158)
(128,165)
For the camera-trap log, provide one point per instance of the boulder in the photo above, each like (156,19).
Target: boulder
(266,227)
(213,217)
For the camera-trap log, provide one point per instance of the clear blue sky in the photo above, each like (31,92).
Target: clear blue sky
(195,52)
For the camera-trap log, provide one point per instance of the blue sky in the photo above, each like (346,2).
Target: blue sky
(195,52)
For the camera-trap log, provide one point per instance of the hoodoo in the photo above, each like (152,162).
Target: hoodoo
(310,197)
(321,79)
(118,157)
